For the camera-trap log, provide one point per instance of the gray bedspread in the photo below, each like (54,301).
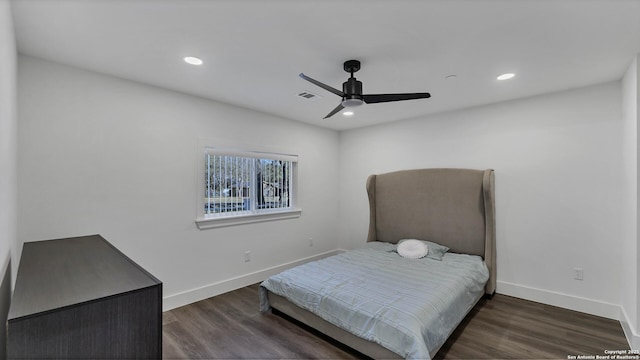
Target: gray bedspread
(409,306)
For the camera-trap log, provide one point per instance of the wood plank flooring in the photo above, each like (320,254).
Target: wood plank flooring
(230,326)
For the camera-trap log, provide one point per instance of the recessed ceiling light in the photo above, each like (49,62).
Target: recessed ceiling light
(348,113)
(506,76)
(192,60)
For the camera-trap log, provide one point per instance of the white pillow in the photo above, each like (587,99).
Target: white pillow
(412,249)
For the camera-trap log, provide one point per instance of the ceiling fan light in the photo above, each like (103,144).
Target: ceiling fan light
(352,102)
(348,113)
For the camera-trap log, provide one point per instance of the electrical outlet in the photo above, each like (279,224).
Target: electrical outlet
(247,256)
(310,241)
(578,274)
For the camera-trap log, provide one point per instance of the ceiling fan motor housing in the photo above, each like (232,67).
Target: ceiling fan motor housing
(352,89)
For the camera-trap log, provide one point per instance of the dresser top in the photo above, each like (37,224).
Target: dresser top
(66,272)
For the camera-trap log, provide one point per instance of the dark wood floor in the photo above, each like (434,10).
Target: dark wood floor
(230,326)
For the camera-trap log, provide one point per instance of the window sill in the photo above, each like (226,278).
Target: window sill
(217,222)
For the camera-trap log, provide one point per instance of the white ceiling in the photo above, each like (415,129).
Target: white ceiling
(254,49)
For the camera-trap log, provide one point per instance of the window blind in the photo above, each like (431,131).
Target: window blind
(243,183)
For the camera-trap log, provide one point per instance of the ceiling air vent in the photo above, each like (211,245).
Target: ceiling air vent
(309,95)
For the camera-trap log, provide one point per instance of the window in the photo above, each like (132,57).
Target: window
(241,187)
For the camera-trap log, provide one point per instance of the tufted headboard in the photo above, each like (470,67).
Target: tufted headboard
(452,207)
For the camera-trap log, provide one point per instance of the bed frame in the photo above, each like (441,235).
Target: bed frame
(452,207)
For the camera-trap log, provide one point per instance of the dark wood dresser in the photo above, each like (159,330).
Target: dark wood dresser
(81,298)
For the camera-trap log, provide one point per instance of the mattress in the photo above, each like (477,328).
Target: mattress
(409,306)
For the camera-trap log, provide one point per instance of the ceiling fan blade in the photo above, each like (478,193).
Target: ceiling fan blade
(378,98)
(334,111)
(324,86)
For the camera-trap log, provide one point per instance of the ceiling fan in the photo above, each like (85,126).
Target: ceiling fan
(352,95)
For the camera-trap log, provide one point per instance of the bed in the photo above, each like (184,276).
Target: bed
(387,306)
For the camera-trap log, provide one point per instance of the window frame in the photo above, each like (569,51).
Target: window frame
(206,221)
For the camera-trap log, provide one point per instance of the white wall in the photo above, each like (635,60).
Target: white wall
(631,274)
(103,155)
(558,168)
(636,328)
(8,157)
(8,128)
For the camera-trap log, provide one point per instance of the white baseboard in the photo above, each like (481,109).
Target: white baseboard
(632,336)
(190,296)
(589,306)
